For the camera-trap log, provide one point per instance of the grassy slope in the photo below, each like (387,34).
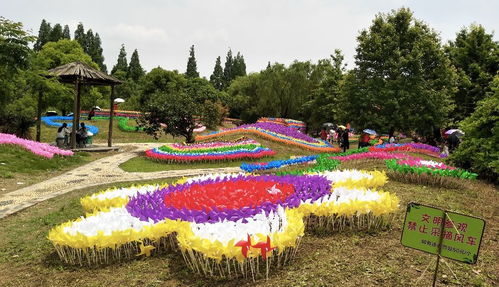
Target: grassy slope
(144,164)
(20,165)
(340,259)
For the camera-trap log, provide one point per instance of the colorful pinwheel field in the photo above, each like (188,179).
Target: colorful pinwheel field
(210,151)
(229,225)
(275,132)
(278,219)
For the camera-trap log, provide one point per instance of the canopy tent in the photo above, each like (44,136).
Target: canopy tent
(79,74)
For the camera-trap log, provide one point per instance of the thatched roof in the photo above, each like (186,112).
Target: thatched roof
(88,76)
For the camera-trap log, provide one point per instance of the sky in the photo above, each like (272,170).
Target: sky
(262,30)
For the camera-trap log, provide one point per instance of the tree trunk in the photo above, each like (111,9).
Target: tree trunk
(39,116)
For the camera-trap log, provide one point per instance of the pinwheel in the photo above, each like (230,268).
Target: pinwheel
(41,149)
(53,121)
(276,132)
(212,151)
(228,224)
(431,171)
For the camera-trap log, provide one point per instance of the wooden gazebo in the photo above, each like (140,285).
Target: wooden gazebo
(79,74)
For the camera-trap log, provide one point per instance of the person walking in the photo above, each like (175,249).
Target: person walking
(345,143)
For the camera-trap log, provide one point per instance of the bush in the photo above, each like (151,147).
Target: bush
(479,150)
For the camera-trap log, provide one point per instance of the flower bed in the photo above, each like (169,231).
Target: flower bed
(41,149)
(212,151)
(299,125)
(408,147)
(227,225)
(250,167)
(276,132)
(419,167)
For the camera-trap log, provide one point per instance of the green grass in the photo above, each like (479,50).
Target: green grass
(17,165)
(339,259)
(48,133)
(145,164)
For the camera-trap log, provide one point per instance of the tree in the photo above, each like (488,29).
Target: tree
(80,35)
(403,79)
(56,33)
(475,55)
(228,76)
(192,71)
(16,109)
(94,49)
(43,35)
(166,106)
(54,54)
(216,79)
(238,66)
(65,33)
(322,105)
(478,151)
(135,71)
(121,63)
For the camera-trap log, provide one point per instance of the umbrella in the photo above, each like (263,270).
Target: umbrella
(342,127)
(458,132)
(119,100)
(326,125)
(368,131)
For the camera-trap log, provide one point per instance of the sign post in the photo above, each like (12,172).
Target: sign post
(443,233)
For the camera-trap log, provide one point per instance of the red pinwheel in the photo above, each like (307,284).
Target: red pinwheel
(264,247)
(245,246)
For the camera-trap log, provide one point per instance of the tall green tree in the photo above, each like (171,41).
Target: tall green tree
(43,35)
(56,33)
(135,71)
(403,79)
(17,111)
(94,49)
(228,75)
(80,36)
(192,70)
(239,66)
(216,78)
(475,55)
(66,34)
(478,151)
(121,63)
(322,104)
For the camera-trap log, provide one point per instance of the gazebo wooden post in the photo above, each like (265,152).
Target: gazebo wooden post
(78,95)
(111,115)
(75,108)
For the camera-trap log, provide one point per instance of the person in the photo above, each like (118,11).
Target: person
(62,135)
(81,135)
(332,132)
(323,135)
(91,114)
(364,140)
(392,139)
(345,143)
(453,142)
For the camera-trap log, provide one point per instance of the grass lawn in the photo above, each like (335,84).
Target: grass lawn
(145,164)
(20,168)
(119,136)
(339,259)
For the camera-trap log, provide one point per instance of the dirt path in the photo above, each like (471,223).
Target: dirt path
(99,172)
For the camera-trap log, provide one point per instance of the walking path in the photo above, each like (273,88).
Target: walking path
(102,171)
